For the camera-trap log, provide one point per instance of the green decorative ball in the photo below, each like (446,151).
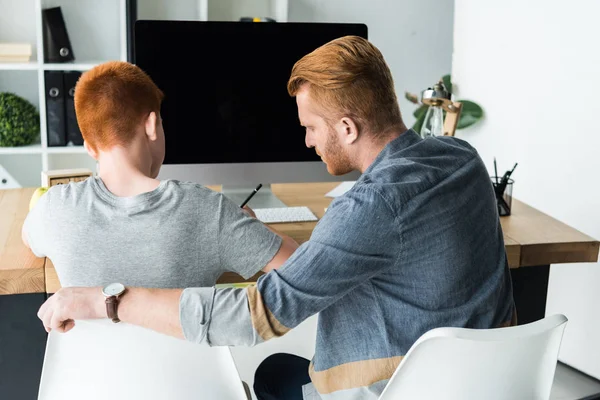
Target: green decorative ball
(19,121)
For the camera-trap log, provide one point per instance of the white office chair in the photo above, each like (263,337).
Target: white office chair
(100,360)
(494,364)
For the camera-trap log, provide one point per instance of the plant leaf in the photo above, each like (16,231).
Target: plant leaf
(420,118)
(411,97)
(421,110)
(447,82)
(470,114)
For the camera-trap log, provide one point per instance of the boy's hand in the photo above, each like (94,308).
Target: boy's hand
(249,211)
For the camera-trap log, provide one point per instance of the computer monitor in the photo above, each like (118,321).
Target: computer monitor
(227,115)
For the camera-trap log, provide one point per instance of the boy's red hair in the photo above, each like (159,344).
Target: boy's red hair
(112,100)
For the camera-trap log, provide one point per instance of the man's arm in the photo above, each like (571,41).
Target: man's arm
(321,272)
(156,309)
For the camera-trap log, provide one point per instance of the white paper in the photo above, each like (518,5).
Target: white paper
(340,189)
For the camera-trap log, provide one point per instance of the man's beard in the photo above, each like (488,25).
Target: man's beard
(338,162)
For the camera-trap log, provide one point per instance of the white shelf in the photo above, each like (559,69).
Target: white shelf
(31,149)
(66,150)
(30,66)
(70,66)
(34,66)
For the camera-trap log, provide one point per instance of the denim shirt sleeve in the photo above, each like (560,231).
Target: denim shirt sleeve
(348,246)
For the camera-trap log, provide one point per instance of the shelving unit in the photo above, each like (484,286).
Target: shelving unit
(98,33)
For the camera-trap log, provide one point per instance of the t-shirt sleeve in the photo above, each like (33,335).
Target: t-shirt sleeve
(246,245)
(35,226)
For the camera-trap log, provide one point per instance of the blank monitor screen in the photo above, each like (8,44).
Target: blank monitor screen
(225,86)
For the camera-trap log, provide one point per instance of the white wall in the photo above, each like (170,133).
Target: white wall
(169,10)
(533,66)
(415,37)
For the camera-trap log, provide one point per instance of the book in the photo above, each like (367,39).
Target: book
(15,50)
(238,285)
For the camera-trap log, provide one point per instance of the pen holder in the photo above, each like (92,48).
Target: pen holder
(503,193)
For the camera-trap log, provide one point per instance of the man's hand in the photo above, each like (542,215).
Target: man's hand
(249,211)
(61,310)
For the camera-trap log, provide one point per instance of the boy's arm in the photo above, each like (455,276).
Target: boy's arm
(246,245)
(288,246)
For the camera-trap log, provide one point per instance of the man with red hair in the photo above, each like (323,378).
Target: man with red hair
(124,224)
(414,245)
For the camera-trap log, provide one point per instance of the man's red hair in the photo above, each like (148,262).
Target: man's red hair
(349,77)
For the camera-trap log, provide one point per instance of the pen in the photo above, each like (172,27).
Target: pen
(507,175)
(495,171)
(251,195)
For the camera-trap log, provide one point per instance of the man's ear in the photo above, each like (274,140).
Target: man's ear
(348,130)
(93,153)
(150,126)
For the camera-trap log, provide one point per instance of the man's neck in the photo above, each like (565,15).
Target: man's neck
(370,149)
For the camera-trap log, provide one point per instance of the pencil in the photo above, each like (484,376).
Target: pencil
(251,195)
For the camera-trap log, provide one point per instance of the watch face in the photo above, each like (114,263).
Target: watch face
(114,289)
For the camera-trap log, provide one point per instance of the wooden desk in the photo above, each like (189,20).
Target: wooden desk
(532,238)
(20,270)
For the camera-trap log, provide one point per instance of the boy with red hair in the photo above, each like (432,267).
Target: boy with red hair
(125,225)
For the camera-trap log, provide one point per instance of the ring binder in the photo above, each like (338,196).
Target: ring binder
(55,108)
(72,128)
(57,46)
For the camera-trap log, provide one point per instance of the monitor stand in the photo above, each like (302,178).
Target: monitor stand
(264,198)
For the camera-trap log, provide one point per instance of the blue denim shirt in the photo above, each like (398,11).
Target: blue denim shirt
(414,245)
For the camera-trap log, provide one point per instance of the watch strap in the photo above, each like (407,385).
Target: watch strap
(112,304)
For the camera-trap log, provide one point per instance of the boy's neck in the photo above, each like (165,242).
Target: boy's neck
(124,176)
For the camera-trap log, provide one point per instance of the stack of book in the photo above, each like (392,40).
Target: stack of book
(15,52)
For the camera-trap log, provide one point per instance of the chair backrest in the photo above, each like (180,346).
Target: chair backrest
(493,364)
(100,360)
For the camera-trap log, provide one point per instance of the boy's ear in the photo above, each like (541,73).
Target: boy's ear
(150,126)
(93,153)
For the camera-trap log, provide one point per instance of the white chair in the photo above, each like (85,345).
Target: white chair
(511,363)
(100,360)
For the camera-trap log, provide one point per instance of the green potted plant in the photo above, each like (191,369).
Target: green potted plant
(470,114)
(19,121)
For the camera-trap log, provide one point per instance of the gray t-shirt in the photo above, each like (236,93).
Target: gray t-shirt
(179,235)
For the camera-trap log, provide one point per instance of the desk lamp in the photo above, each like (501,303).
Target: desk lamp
(439,100)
